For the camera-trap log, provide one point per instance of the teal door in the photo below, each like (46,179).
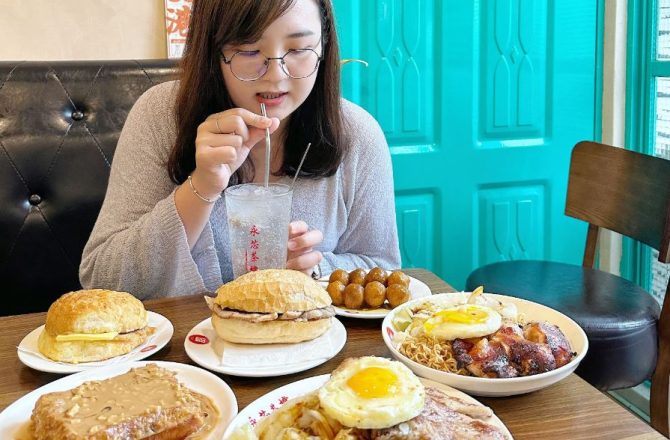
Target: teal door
(481,103)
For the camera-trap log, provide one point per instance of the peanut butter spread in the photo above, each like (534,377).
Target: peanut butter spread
(138,404)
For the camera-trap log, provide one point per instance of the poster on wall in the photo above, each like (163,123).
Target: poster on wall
(177,17)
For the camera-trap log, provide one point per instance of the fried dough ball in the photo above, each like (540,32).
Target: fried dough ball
(374,294)
(397,294)
(336,292)
(357,276)
(340,275)
(397,277)
(353,296)
(376,274)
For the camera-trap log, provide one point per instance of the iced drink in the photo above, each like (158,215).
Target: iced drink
(258,219)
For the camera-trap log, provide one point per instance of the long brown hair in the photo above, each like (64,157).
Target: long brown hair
(202,90)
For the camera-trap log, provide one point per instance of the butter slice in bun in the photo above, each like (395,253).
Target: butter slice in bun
(271,306)
(93,325)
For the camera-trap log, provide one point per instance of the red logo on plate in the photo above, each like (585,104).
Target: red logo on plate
(148,348)
(389,331)
(199,339)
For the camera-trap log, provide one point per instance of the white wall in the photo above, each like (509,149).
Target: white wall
(614,109)
(82,29)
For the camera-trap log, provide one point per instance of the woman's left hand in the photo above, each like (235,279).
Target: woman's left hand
(301,242)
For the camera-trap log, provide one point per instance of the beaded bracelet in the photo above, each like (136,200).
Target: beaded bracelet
(201,197)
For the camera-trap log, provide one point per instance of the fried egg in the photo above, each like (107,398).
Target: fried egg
(372,393)
(462,322)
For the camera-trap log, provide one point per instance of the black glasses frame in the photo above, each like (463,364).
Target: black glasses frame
(282,63)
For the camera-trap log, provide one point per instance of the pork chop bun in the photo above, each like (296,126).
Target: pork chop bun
(93,325)
(271,306)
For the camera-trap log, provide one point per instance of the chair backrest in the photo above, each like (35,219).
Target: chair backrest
(623,191)
(629,193)
(59,125)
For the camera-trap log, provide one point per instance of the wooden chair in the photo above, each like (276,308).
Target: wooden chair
(629,334)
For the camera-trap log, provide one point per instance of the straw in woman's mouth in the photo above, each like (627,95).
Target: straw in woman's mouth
(268,149)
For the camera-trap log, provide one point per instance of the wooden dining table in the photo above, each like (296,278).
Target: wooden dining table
(570,409)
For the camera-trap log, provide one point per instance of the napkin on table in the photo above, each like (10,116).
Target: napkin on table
(274,355)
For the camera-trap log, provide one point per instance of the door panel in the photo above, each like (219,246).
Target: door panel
(415,216)
(513,71)
(511,222)
(481,103)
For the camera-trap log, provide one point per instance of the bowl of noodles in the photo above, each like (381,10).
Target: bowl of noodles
(485,344)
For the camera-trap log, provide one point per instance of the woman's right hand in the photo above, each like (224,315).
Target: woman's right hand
(223,143)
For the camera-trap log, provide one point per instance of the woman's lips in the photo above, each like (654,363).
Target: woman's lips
(271,99)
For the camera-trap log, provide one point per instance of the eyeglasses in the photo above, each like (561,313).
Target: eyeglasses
(252,65)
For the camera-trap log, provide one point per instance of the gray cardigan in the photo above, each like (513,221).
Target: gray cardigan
(139,244)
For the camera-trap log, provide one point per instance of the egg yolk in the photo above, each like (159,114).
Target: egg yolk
(464,315)
(372,382)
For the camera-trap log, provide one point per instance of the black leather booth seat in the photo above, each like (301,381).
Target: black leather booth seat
(619,318)
(59,125)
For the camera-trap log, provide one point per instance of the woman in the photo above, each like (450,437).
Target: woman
(162,227)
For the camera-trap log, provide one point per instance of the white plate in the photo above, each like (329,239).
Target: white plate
(265,405)
(30,355)
(481,386)
(417,289)
(263,360)
(16,415)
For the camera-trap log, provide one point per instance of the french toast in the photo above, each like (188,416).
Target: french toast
(145,403)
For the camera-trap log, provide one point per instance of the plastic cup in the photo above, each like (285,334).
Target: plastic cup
(258,219)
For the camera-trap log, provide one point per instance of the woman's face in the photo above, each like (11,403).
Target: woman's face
(298,28)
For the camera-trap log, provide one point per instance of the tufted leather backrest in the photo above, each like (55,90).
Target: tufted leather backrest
(59,125)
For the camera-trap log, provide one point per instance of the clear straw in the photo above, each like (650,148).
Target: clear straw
(268,149)
(304,155)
